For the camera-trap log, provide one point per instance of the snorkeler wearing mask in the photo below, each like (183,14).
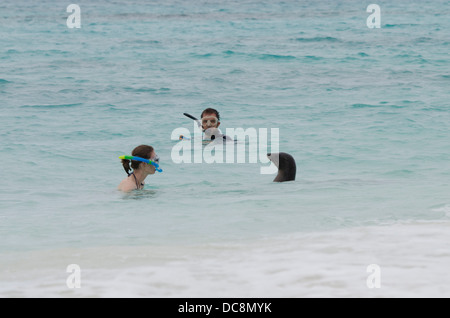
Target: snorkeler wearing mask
(210,120)
(142,162)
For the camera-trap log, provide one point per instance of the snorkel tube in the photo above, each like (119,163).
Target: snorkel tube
(199,123)
(150,162)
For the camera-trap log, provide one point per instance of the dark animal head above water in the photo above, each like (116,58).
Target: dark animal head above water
(287,168)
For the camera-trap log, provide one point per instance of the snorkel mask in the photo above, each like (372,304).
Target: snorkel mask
(150,162)
(209,122)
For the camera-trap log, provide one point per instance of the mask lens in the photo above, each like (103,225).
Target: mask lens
(209,121)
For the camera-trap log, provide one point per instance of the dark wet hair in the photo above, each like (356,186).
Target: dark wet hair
(142,151)
(211,111)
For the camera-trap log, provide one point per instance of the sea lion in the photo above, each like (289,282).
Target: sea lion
(285,164)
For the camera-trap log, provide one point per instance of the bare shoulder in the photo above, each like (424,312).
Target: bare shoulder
(126,185)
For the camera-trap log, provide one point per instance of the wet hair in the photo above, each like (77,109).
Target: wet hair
(142,151)
(211,111)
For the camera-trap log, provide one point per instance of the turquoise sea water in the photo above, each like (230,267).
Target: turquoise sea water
(365,113)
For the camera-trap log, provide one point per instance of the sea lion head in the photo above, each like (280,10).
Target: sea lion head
(285,163)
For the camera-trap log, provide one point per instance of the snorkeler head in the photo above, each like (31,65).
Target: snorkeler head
(210,118)
(142,151)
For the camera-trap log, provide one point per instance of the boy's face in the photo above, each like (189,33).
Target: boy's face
(209,120)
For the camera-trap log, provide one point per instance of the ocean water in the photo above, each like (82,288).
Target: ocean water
(364,112)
